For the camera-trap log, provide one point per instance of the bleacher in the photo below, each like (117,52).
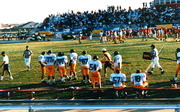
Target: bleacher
(107,19)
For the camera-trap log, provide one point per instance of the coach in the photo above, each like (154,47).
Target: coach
(155,60)
(27,57)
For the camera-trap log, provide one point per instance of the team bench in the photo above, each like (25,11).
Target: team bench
(31,92)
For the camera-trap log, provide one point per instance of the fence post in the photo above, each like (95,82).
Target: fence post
(30,109)
(178,109)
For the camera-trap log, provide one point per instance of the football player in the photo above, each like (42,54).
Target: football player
(178,62)
(42,63)
(118,79)
(83,59)
(117,61)
(72,64)
(50,62)
(95,66)
(138,80)
(62,62)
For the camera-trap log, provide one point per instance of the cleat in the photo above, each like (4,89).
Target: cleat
(88,81)
(162,72)
(70,78)
(75,78)
(43,82)
(10,78)
(173,81)
(83,81)
(150,72)
(105,76)
(63,80)
(53,83)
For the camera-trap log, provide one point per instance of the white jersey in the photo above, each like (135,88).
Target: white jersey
(115,34)
(178,55)
(41,59)
(62,60)
(6,59)
(155,53)
(101,33)
(50,59)
(138,78)
(117,79)
(121,33)
(83,59)
(94,65)
(117,60)
(73,57)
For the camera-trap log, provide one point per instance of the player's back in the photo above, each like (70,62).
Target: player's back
(138,78)
(62,60)
(73,57)
(50,59)
(117,79)
(84,59)
(94,65)
(118,58)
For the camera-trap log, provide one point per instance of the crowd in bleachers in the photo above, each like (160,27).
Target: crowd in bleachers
(116,16)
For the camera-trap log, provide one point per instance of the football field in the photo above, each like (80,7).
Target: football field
(131,52)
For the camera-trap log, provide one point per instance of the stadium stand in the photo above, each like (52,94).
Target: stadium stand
(111,18)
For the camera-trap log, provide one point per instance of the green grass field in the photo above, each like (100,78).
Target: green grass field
(131,51)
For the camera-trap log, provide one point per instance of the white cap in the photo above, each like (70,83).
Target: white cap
(104,49)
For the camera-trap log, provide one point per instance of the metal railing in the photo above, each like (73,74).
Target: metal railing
(90,107)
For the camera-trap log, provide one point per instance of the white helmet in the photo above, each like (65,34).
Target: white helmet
(103,50)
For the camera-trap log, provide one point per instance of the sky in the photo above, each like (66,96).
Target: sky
(22,11)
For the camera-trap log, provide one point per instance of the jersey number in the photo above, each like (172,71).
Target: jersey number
(84,61)
(116,80)
(49,59)
(60,61)
(137,78)
(93,67)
